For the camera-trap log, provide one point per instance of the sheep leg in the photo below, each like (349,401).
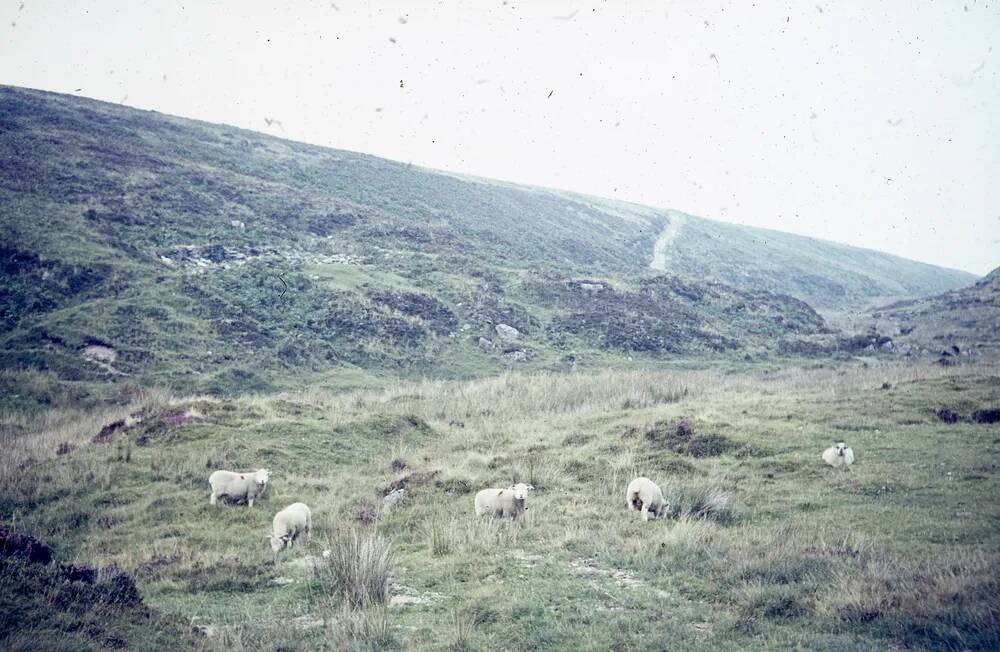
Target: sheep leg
(213,499)
(250,501)
(645,512)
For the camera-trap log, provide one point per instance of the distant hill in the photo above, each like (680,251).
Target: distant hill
(956,325)
(146,246)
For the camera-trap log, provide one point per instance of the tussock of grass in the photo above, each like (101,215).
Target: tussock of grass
(360,567)
(364,629)
(700,501)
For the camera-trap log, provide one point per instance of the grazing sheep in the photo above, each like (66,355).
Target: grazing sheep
(645,496)
(839,455)
(503,502)
(238,486)
(289,523)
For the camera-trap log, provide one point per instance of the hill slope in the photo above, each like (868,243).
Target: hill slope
(963,322)
(210,257)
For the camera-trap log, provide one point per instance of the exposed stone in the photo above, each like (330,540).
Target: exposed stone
(507,332)
(394,498)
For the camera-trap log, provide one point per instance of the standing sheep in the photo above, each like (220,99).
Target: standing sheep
(839,455)
(503,502)
(238,486)
(288,524)
(645,496)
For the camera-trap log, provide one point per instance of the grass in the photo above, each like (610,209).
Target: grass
(768,547)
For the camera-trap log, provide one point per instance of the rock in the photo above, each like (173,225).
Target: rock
(507,332)
(485,344)
(394,498)
(238,224)
(99,353)
(591,287)
(887,346)
(516,356)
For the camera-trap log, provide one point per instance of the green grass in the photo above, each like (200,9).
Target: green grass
(902,549)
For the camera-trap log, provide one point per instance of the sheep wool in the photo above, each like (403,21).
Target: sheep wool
(644,495)
(840,454)
(500,503)
(289,524)
(238,486)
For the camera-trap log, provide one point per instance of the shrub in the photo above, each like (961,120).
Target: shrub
(991,415)
(680,438)
(947,415)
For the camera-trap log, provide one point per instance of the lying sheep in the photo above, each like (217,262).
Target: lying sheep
(503,502)
(238,486)
(839,455)
(645,496)
(288,524)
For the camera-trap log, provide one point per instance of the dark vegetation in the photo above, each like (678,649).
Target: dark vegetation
(49,605)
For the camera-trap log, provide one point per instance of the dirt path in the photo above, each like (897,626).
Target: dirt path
(666,239)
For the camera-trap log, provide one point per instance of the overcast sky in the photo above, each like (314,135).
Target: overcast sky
(873,124)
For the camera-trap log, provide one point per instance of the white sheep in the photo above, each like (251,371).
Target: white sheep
(645,496)
(503,502)
(839,455)
(289,524)
(238,486)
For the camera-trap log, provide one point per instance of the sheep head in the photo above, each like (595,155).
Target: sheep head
(841,447)
(261,476)
(279,543)
(520,491)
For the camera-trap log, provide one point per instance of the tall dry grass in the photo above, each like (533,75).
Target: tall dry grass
(513,397)
(360,567)
(31,437)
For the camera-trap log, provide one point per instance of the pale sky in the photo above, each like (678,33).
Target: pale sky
(873,124)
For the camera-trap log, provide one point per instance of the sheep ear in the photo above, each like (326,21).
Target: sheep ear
(531,487)
(500,493)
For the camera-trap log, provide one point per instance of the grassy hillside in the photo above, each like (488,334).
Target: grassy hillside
(144,248)
(766,548)
(954,325)
(826,274)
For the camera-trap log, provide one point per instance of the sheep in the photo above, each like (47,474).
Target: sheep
(645,496)
(238,486)
(839,455)
(503,502)
(289,524)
